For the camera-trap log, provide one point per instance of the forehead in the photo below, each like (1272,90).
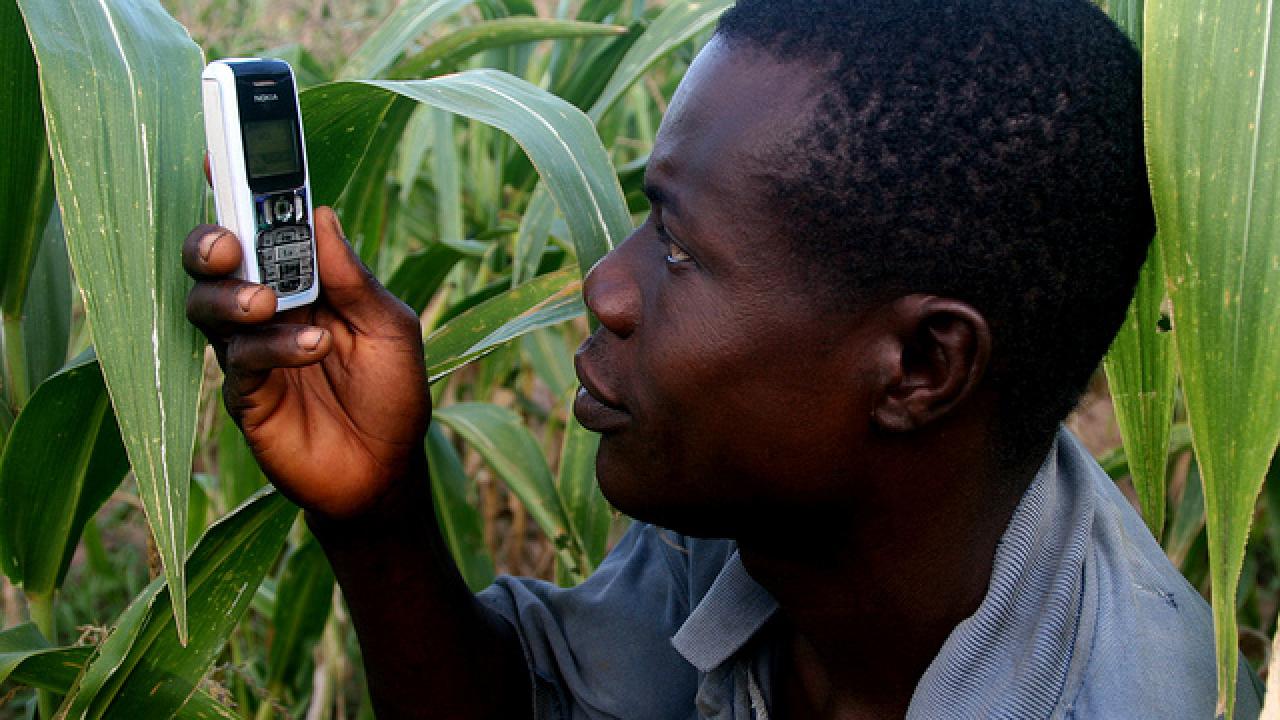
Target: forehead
(735,114)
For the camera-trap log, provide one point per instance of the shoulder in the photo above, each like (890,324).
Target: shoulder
(1149,651)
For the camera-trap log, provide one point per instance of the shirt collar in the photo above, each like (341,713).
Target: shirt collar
(729,615)
(1015,653)
(1015,657)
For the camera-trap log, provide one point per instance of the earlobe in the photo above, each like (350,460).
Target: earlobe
(943,351)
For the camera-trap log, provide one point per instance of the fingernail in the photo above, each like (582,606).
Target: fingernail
(246,295)
(206,244)
(310,339)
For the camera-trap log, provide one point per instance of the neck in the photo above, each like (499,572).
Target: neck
(867,596)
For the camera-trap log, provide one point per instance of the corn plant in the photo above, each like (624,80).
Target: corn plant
(1211,147)
(479,197)
(483,154)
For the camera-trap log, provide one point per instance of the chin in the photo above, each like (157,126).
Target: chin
(659,495)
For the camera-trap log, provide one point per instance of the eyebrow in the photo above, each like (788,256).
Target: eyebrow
(659,195)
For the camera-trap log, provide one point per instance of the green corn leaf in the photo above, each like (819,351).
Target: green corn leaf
(26,658)
(303,600)
(54,669)
(560,141)
(548,300)
(459,520)
(416,142)
(1128,15)
(447,52)
(1141,373)
(141,670)
(122,105)
(552,362)
(1116,463)
(388,42)
(46,318)
(1214,153)
(1188,519)
(26,180)
(63,460)
(446,176)
(581,81)
(344,129)
(17,645)
(598,10)
(501,438)
(239,475)
(677,24)
(108,657)
(420,275)
(26,188)
(531,240)
(365,205)
(576,482)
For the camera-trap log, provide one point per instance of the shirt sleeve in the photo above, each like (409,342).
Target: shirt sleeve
(603,649)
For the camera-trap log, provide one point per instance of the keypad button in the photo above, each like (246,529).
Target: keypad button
(282,206)
(272,273)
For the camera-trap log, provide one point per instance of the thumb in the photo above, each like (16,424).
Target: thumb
(345,283)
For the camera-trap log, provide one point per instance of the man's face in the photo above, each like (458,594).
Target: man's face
(722,390)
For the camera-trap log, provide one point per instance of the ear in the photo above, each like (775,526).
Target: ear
(941,353)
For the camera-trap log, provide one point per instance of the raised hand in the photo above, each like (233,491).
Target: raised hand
(332,397)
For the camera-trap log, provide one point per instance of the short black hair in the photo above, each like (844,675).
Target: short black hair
(985,150)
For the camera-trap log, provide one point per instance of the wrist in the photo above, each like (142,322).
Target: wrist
(405,504)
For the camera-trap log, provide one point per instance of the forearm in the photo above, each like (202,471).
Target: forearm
(430,649)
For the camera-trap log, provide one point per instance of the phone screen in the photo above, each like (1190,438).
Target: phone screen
(272,148)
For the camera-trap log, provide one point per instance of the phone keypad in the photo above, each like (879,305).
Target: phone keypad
(285,249)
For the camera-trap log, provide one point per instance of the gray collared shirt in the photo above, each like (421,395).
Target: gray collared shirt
(1084,617)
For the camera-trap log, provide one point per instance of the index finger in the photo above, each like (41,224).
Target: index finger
(211,251)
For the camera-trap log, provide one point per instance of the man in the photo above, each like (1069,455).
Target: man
(890,241)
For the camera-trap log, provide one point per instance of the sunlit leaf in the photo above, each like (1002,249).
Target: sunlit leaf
(459,520)
(1140,371)
(576,482)
(1214,153)
(147,672)
(508,447)
(547,352)
(531,240)
(560,141)
(464,42)
(389,41)
(122,110)
(548,300)
(678,23)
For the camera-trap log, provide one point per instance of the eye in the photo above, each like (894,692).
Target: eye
(675,253)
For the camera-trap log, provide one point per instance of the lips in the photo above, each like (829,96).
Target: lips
(597,410)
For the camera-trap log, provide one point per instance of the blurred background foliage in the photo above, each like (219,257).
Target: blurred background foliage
(454,217)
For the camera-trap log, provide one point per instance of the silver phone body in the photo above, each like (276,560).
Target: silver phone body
(261,187)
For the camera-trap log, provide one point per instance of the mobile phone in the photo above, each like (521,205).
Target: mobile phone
(258,164)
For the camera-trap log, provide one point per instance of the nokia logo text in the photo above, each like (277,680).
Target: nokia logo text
(266,97)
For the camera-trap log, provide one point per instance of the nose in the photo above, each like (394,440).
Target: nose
(612,293)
